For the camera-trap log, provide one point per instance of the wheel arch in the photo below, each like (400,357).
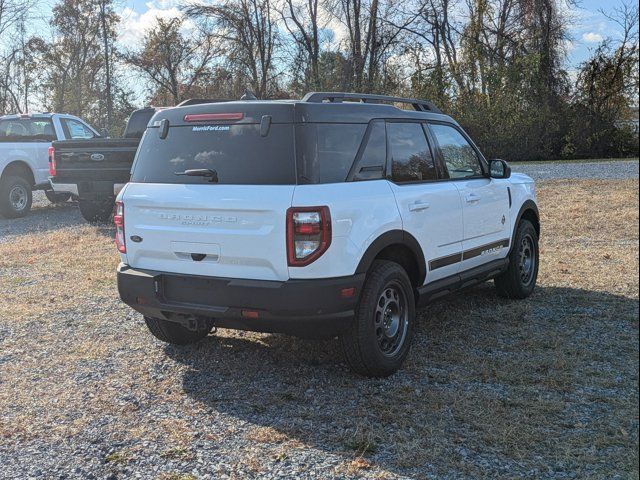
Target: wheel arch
(398,246)
(528,211)
(19,168)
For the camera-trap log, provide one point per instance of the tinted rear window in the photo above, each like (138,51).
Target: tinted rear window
(237,153)
(326,151)
(27,130)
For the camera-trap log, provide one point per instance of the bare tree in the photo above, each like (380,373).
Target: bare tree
(301,20)
(173,62)
(248,32)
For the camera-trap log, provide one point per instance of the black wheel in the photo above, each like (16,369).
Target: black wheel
(15,197)
(380,336)
(96,211)
(54,197)
(174,333)
(520,278)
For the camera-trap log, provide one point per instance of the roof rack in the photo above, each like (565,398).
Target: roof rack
(338,97)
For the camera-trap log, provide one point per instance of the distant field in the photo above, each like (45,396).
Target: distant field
(541,388)
(584,160)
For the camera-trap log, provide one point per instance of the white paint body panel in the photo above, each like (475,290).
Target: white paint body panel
(34,154)
(432,213)
(486,217)
(242,228)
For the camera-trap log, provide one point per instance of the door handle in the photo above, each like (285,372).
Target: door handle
(472,198)
(417,206)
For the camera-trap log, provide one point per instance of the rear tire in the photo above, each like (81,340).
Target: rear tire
(55,197)
(380,336)
(174,333)
(96,211)
(520,278)
(15,197)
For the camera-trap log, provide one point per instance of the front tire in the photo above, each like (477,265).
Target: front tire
(520,278)
(96,211)
(380,336)
(174,333)
(15,197)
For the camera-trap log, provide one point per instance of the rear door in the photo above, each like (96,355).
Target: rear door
(485,201)
(430,209)
(235,228)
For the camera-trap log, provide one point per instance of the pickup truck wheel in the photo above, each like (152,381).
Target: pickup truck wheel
(174,333)
(520,278)
(15,197)
(54,197)
(96,211)
(379,338)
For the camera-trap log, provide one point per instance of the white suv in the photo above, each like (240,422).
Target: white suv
(317,217)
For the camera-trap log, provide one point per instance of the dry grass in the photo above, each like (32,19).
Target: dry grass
(542,387)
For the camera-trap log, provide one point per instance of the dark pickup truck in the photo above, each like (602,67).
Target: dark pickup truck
(96,169)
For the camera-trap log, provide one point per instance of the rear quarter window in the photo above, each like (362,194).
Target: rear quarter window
(326,151)
(27,130)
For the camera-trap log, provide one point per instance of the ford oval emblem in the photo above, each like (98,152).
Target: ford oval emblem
(97,157)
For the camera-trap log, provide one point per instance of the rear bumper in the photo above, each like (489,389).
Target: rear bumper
(89,189)
(310,308)
(64,187)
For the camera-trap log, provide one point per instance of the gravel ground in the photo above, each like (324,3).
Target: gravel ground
(542,388)
(609,170)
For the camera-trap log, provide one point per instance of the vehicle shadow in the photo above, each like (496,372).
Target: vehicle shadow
(47,218)
(479,366)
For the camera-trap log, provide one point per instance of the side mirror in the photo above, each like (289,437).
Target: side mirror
(499,169)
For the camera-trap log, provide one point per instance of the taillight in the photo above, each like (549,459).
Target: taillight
(52,161)
(118,219)
(308,234)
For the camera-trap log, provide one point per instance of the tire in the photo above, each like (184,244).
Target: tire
(96,211)
(380,336)
(174,333)
(520,278)
(15,197)
(54,197)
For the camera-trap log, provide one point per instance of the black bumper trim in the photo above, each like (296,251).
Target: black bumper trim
(300,307)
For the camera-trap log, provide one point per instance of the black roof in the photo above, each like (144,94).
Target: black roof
(315,107)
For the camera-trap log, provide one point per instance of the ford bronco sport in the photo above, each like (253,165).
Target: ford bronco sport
(336,215)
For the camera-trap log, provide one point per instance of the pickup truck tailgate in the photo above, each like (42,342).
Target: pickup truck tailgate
(105,159)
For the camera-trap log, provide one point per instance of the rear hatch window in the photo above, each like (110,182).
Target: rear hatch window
(238,154)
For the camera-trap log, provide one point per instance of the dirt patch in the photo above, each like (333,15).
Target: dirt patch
(541,388)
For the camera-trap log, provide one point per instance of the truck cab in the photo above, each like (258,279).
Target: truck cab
(24,162)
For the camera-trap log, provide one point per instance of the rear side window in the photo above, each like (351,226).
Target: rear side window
(458,154)
(237,153)
(374,156)
(75,130)
(27,130)
(326,151)
(411,157)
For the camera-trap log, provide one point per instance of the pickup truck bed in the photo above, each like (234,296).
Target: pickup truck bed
(95,169)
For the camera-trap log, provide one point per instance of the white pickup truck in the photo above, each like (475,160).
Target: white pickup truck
(25,140)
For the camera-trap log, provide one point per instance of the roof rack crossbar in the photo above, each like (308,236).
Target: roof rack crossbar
(198,101)
(337,97)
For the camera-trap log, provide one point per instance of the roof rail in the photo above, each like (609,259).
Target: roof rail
(338,97)
(198,101)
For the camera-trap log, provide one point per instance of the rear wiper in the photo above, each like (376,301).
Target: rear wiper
(201,172)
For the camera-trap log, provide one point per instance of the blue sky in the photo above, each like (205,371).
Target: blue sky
(587,27)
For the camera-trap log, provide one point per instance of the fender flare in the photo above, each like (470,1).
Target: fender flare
(527,205)
(394,237)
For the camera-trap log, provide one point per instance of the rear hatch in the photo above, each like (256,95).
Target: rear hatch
(234,227)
